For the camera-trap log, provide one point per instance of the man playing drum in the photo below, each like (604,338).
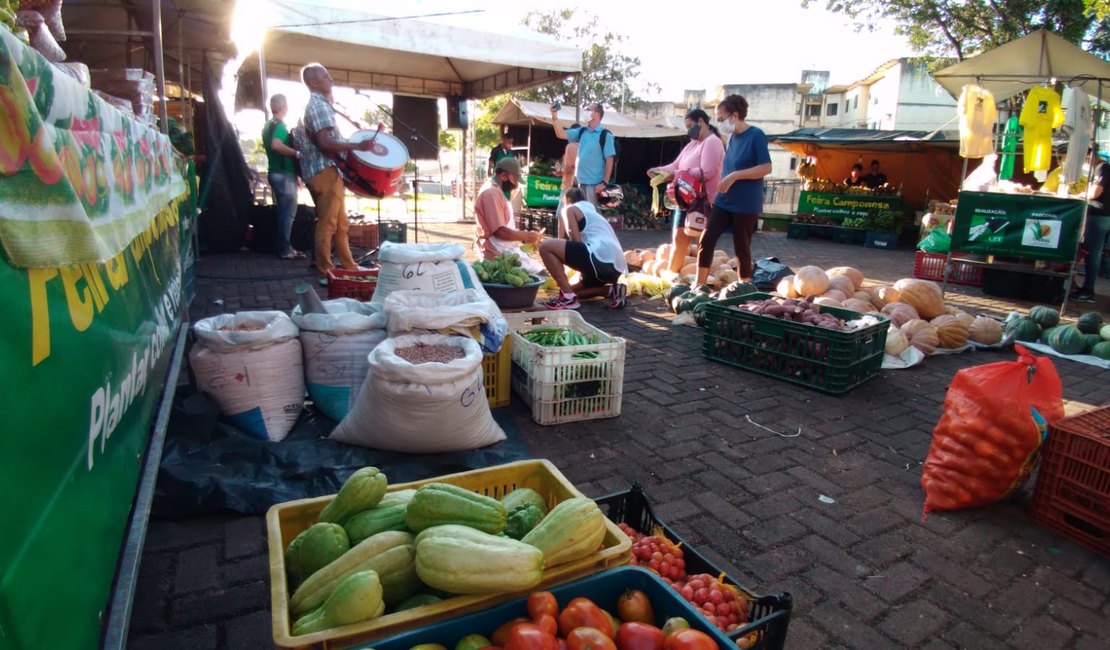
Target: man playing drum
(320,172)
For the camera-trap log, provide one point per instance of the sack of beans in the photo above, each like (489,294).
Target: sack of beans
(423,267)
(250,364)
(468,313)
(424,394)
(336,348)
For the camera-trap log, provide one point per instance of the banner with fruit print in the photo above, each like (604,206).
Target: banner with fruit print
(78,179)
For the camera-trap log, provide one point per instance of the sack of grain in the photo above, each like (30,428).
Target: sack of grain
(423,267)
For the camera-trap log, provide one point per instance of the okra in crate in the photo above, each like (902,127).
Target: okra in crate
(567,369)
(768,616)
(828,360)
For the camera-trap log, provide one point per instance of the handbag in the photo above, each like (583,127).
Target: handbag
(697,218)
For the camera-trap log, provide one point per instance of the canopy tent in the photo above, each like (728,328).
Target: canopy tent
(925,165)
(519,112)
(1010,69)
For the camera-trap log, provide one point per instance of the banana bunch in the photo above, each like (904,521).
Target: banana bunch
(807,170)
(7,13)
(503,269)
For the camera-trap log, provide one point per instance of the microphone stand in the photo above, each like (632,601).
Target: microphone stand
(414,136)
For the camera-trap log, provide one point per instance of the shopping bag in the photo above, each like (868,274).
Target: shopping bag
(767,273)
(987,441)
(937,241)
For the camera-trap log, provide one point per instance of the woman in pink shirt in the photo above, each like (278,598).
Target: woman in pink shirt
(703,158)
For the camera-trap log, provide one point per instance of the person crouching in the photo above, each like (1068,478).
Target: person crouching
(587,244)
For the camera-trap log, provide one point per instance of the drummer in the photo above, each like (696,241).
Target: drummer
(321,144)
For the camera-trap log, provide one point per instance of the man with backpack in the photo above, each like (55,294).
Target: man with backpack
(596,151)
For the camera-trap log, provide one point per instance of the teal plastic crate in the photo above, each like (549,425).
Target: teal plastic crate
(393,231)
(602,588)
(817,357)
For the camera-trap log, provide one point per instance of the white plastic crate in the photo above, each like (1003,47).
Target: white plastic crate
(559,383)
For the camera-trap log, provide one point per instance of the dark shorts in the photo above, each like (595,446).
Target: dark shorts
(678,219)
(595,273)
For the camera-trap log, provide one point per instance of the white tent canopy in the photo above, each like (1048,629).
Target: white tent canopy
(408,55)
(518,112)
(1010,69)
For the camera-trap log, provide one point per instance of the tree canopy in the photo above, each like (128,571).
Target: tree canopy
(963,28)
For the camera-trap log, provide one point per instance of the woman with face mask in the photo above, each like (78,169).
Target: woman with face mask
(701,157)
(740,193)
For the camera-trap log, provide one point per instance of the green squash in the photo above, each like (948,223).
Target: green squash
(1047,334)
(676,290)
(315,548)
(700,313)
(523,496)
(737,289)
(419,600)
(1089,323)
(675,299)
(1102,350)
(1024,329)
(1104,332)
(1046,317)
(1067,340)
(522,520)
(1090,341)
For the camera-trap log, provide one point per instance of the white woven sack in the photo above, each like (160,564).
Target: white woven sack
(468,313)
(250,364)
(423,267)
(336,347)
(422,408)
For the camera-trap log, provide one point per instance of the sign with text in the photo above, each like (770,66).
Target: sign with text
(1017,225)
(542,191)
(846,205)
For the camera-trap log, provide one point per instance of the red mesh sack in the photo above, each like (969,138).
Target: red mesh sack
(986,442)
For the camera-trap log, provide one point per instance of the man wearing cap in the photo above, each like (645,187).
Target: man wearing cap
(596,151)
(496,225)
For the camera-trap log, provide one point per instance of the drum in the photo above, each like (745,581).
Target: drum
(379,169)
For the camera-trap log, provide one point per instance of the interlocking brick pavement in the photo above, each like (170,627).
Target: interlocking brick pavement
(865,571)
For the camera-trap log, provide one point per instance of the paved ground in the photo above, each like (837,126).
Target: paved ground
(865,571)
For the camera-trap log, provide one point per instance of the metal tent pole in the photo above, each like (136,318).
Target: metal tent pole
(181,66)
(1086,205)
(262,76)
(159,63)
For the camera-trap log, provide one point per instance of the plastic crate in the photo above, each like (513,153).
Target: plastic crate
(604,589)
(796,230)
(287,520)
(843,235)
(393,231)
(875,239)
(363,234)
(768,615)
(827,360)
(1072,496)
(358,284)
(496,370)
(561,384)
(930,266)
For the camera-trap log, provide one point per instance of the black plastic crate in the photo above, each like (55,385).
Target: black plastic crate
(768,615)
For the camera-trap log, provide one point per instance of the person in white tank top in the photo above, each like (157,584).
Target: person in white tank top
(587,244)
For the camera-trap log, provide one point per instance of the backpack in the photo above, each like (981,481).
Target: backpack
(603,137)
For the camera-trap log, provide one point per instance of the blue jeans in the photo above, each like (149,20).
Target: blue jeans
(1094,240)
(284,187)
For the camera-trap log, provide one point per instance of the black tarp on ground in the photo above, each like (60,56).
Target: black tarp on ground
(208,466)
(225,189)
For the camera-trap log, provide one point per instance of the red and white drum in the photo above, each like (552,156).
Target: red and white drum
(379,169)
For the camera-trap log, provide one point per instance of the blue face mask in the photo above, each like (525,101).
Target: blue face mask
(694,131)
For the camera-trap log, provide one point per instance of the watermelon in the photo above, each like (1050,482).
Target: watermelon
(1102,350)
(1046,317)
(1090,341)
(1024,329)
(1067,340)
(1089,323)
(737,289)
(676,294)
(704,289)
(1047,333)
(1105,332)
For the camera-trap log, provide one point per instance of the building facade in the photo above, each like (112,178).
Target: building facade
(899,95)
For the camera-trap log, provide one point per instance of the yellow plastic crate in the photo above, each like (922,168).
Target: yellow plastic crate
(496,372)
(287,520)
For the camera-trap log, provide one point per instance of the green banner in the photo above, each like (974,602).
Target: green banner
(1017,225)
(846,205)
(542,191)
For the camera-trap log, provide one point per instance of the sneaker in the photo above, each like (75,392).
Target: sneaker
(617,292)
(562,301)
(323,282)
(1083,297)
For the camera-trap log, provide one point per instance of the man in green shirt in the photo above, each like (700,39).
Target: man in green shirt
(281,157)
(503,150)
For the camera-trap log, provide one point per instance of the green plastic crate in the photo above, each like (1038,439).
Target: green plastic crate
(394,231)
(827,360)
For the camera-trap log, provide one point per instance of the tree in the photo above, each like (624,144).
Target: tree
(963,28)
(487,135)
(607,73)
(448,141)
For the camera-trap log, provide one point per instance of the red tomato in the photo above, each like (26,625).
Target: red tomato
(689,639)
(528,636)
(639,636)
(547,623)
(582,612)
(634,605)
(502,633)
(588,638)
(542,602)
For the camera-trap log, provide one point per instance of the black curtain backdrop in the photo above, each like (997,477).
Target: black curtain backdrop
(225,189)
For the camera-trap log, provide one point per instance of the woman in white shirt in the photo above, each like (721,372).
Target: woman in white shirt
(591,248)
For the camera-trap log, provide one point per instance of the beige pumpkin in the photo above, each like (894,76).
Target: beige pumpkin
(843,284)
(985,330)
(951,333)
(922,295)
(837,295)
(964,317)
(647,255)
(785,287)
(648,267)
(633,258)
(826,301)
(689,269)
(899,313)
(857,305)
(855,275)
(921,335)
(727,275)
(896,342)
(883,295)
(810,281)
(866,297)
(663,252)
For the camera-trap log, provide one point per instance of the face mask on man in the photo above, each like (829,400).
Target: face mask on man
(694,131)
(508,185)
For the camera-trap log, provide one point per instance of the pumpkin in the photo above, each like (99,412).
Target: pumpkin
(899,313)
(690,259)
(985,330)
(866,297)
(826,301)
(1046,317)
(785,287)
(921,335)
(647,255)
(837,295)
(922,295)
(843,284)
(883,295)
(1024,329)
(896,342)
(1045,334)
(1090,341)
(633,258)
(964,317)
(663,252)
(736,289)
(810,281)
(857,305)
(727,276)
(1101,350)
(1066,340)
(951,332)
(1089,323)
(689,269)
(852,274)
(649,267)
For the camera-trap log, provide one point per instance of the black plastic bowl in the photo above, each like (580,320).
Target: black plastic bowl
(509,297)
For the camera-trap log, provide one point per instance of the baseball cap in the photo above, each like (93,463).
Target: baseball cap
(510,165)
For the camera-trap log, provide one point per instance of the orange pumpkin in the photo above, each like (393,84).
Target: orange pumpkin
(842,283)
(951,333)
(922,335)
(985,330)
(922,295)
(899,313)
(785,287)
(857,305)
(852,274)
(883,295)
(837,295)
